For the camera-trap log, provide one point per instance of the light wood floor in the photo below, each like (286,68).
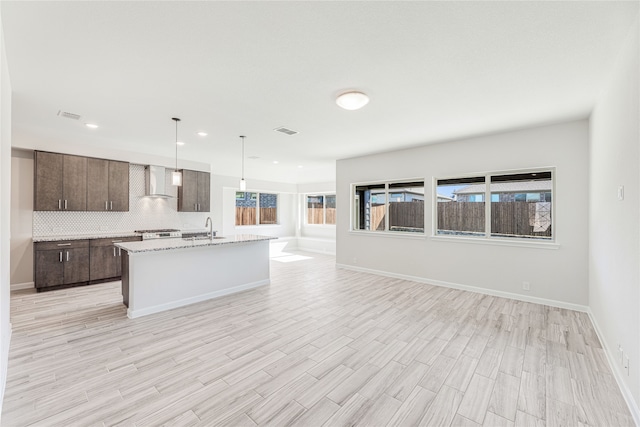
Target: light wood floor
(319,346)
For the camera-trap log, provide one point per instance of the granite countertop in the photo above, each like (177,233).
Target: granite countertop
(180,243)
(96,235)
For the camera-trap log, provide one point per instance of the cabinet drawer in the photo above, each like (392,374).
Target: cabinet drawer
(61,244)
(111,240)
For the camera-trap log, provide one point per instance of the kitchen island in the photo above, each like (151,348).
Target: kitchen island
(162,274)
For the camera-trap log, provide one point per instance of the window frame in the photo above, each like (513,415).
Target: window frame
(324,208)
(355,210)
(487,238)
(258,207)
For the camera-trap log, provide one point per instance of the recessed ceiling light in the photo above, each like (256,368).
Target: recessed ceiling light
(352,100)
(179,142)
(91,125)
(275,162)
(299,166)
(202,134)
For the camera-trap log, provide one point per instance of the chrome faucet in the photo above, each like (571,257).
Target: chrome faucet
(209,224)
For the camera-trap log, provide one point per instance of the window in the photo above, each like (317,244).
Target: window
(465,215)
(396,206)
(321,209)
(520,206)
(528,214)
(256,208)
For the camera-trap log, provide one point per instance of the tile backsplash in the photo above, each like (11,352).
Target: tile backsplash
(144,213)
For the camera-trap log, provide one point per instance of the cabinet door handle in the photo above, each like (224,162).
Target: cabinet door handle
(119,251)
(195,206)
(59,204)
(65,204)
(116,241)
(114,251)
(111,203)
(67,256)
(64,244)
(106,207)
(60,256)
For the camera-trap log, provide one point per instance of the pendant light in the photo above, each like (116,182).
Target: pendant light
(176,175)
(243,183)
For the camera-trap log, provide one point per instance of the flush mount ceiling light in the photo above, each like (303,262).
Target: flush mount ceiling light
(243,183)
(202,133)
(91,125)
(180,143)
(176,175)
(352,100)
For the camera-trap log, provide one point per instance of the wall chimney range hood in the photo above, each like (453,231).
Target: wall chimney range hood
(155,182)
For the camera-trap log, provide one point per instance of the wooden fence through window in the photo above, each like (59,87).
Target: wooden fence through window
(314,216)
(247,216)
(508,218)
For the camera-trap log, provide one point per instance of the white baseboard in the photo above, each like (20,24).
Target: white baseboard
(132,314)
(492,292)
(20,286)
(617,372)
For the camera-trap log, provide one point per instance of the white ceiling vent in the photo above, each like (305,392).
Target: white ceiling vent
(285,130)
(68,115)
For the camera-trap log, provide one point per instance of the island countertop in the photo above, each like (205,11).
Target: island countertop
(184,243)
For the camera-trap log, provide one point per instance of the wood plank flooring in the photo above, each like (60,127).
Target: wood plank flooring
(319,346)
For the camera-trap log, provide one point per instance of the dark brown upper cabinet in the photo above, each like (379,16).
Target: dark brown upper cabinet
(194,193)
(60,182)
(65,182)
(107,185)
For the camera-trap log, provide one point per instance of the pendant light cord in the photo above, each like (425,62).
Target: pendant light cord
(242,157)
(176,145)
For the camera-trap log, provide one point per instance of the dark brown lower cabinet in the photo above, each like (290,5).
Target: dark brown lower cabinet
(61,263)
(77,262)
(106,258)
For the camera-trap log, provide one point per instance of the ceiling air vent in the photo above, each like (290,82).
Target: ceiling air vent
(68,115)
(286,131)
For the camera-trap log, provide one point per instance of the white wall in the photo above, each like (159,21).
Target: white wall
(5,212)
(556,275)
(614,225)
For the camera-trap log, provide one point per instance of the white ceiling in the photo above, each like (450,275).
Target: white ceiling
(433,70)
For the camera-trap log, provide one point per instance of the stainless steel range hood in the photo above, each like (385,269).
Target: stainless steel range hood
(155,182)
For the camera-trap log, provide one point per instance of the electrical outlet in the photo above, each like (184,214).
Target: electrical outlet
(621,192)
(526,286)
(621,351)
(626,364)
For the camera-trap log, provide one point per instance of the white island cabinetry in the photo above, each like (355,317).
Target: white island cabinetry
(159,275)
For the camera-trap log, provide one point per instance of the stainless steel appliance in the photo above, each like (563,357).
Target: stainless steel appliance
(164,233)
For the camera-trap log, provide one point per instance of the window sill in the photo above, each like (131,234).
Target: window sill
(321,225)
(389,234)
(497,242)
